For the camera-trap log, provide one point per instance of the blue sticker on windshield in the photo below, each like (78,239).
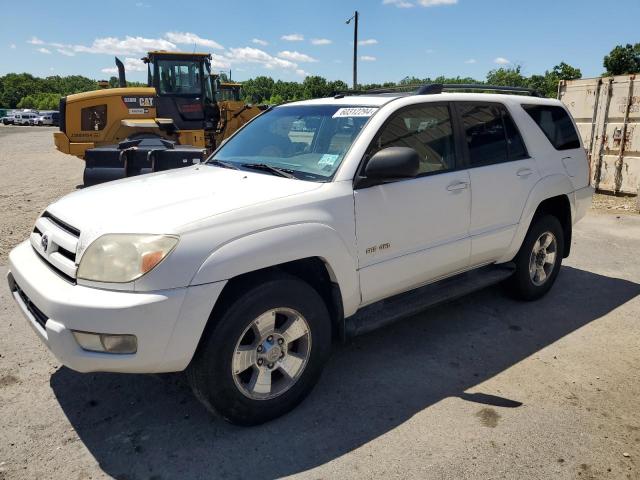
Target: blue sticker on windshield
(328,159)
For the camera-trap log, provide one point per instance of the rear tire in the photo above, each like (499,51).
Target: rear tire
(539,260)
(265,352)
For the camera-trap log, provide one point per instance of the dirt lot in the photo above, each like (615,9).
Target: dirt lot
(484,387)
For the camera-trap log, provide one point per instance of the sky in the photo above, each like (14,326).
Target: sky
(289,39)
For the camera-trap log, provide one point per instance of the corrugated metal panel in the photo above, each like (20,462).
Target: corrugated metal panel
(607,112)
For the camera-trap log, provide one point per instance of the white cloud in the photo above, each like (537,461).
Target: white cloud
(188,38)
(35,41)
(369,41)
(368,58)
(259,41)
(398,3)
(435,3)
(501,61)
(126,46)
(471,60)
(44,50)
(219,62)
(302,73)
(296,56)
(65,52)
(293,37)
(12,46)
(255,55)
(130,65)
(321,41)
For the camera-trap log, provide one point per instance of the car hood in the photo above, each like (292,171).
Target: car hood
(166,202)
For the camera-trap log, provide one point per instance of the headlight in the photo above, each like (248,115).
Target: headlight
(121,258)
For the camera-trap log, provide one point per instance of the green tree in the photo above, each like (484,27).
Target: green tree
(315,86)
(507,77)
(258,89)
(623,60)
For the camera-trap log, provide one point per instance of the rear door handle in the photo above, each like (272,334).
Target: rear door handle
(524,172)
(457,186)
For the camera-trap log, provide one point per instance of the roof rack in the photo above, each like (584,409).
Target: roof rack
(433,88)
(436,88)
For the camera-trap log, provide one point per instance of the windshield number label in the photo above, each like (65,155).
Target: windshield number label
(354,112)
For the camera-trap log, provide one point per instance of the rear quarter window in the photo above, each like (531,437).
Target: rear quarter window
(556,124)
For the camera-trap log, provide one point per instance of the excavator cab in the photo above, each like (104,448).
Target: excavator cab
(184,90)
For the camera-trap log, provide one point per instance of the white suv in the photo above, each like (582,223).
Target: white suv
(317,221)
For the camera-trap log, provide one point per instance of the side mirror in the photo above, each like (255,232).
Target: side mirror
(393,163)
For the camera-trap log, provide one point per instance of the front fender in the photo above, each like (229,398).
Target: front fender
(547,187)
(285,244)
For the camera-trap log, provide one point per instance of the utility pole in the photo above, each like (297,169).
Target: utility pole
(355,48)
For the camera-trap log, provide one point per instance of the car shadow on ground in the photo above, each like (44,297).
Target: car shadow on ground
(150,426)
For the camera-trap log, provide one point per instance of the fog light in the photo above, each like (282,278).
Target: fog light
(106,342)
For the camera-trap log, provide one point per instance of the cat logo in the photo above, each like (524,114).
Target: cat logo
(146,101)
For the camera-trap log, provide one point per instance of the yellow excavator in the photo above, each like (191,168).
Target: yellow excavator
(178,119)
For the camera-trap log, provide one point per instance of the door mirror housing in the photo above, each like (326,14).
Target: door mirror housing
(392,163)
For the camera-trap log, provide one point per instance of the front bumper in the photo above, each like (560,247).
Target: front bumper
(168,323)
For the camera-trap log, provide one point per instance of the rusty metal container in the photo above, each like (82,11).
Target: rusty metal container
(607,112)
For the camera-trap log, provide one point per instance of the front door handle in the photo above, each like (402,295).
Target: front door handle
(524,172)
(457,186)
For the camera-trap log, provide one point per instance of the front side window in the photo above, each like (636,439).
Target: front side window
(179,77)
(556,124)
(491,134)
(308,141)
(425,128)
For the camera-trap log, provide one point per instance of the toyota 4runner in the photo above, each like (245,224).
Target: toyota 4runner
(317,221)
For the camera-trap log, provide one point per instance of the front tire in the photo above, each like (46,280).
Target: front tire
(539,260)
(265,353)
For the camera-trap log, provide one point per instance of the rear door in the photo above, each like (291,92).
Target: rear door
(502,175)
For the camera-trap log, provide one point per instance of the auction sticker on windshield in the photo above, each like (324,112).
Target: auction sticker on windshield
(355,112)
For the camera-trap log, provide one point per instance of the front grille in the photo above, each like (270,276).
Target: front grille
(56,242)
(65,226)
(39,316)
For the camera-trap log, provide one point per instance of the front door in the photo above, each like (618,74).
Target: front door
(414,231)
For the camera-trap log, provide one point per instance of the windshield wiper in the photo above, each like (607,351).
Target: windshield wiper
(223,164)
(281,172)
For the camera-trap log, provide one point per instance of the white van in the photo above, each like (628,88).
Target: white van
(25,118)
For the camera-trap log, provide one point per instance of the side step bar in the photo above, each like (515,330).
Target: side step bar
(410,303)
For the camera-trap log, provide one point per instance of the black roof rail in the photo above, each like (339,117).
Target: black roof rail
(433,88)
(436,88)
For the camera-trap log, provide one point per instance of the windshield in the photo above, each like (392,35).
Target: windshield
(179,77)
(308,141)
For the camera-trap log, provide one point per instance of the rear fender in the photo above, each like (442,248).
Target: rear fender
(547,187)
(284,244)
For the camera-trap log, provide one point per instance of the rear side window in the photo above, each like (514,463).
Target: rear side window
(556,125)
(491,134)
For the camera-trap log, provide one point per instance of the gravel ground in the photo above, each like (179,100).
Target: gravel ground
(32,174)
(484,387)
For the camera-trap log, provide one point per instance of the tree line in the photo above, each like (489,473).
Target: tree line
(23,90)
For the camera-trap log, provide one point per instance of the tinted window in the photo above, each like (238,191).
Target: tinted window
(491,134)
(515,145)
(556,125)
(485,134)
(427,129)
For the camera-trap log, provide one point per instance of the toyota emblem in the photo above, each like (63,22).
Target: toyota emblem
(44,241)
